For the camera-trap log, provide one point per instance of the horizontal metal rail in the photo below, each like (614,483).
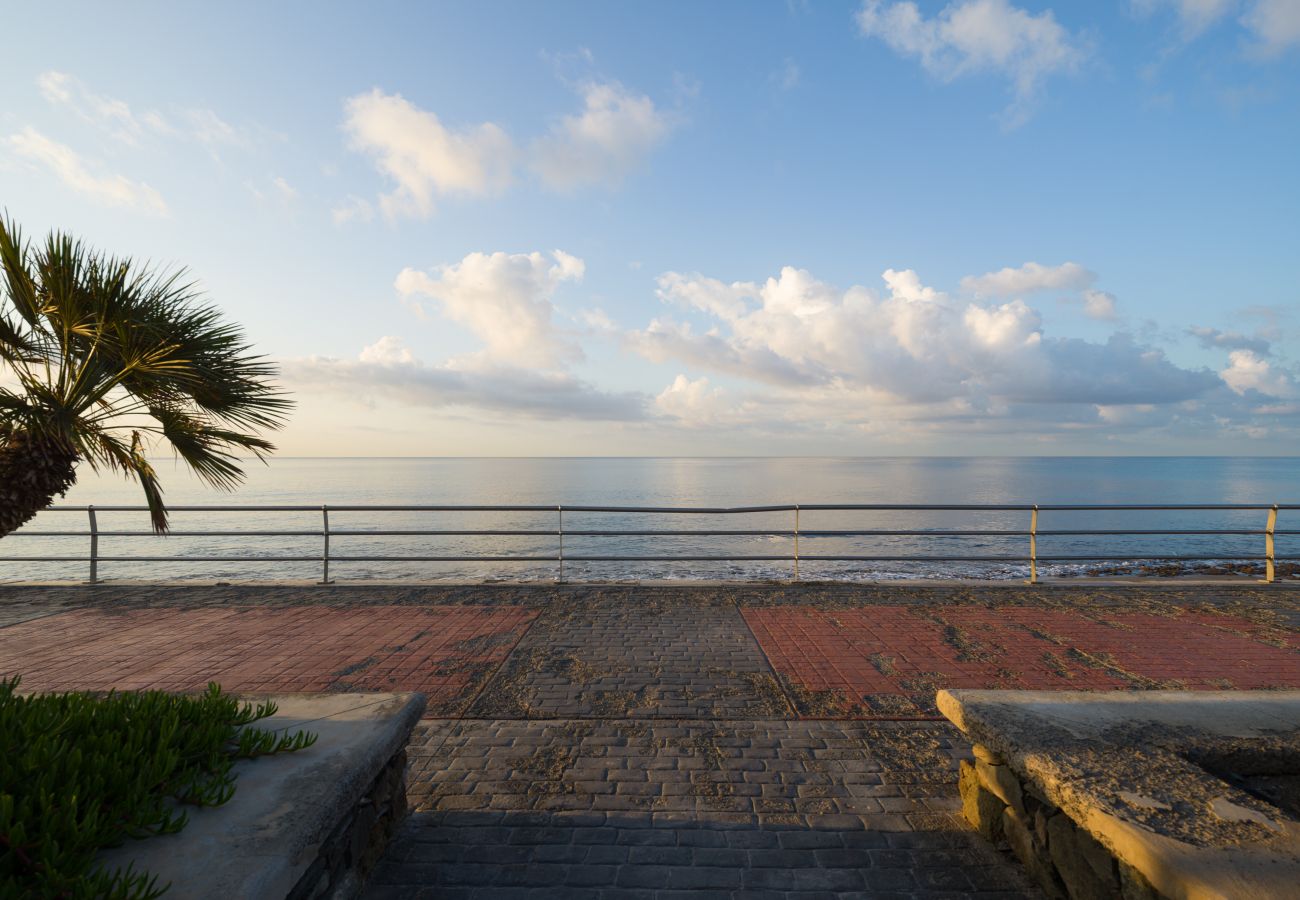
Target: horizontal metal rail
(560,532)
(708,510)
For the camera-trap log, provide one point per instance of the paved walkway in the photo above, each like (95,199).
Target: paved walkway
(629,742)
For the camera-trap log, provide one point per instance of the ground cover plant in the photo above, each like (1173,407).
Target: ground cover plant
(80,772)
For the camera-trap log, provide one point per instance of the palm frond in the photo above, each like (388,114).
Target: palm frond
(19,283)
(102,345)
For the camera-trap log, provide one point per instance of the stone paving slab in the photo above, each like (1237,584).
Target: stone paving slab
(888,661)
(628,741)
(648,809)
(642,660)
(445,652)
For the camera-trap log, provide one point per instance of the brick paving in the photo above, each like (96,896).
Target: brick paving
(651,743)
(888,661)
(701,809)
(652,660)
(446,652)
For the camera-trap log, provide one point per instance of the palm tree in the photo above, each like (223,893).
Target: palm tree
(112,359)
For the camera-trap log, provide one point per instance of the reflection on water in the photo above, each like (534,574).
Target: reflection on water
(673,482)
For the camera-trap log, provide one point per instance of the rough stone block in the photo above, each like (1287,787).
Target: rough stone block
(1040,816)
(984,754)
(1070,857)
(1133,885)
(1001,781)
(1032,854)
(983,810)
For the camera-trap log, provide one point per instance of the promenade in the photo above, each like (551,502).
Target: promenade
(641,742)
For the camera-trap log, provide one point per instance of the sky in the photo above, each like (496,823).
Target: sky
(724,228)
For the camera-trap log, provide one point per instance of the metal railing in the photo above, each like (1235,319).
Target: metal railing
(1269,532)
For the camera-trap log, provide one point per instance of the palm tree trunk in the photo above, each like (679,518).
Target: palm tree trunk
(33,471)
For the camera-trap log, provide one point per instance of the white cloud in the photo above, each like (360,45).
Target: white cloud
(388,371)
(692,403)
(116,118)
(1126,415)
(387,351)
(112,115)
(71,169)
(422,156)
(608,140)
(1194,16)
(1099,305)
(1275,24)
(281,191)
(788,76)
(352,209)
(1213,338)
(914,346)
(1249,372)
(1028,278)
(971,36)
(210,130)
(287,191)
(505,300)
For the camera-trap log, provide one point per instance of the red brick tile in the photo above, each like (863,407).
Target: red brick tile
(888,661)
(446,652)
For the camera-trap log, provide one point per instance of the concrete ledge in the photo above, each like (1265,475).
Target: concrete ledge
(1134,773)
(287,808)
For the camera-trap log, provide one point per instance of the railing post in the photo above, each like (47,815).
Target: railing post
(559,510)
(796,542)
(1269,529)
(1033,545)
(94,546)
(325,555)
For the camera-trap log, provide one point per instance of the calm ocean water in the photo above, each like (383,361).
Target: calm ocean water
(666,482)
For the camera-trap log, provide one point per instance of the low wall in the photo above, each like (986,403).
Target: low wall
(302,825)
(1064,859)
(357,842)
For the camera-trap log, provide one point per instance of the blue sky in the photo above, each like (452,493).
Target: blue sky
(680,228)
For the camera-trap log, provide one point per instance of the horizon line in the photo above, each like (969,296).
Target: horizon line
(271,458)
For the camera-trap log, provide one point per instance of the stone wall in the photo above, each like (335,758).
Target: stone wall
(357,842)
(1062,858)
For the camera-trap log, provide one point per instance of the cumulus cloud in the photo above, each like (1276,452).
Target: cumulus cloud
(388,371)
(612,136)
(1099,305)
(972,36)
(1027,279)
(423,157)
(609,139)
(1247,371)
(76,173)
(692,402)
(505,300)
(911,345)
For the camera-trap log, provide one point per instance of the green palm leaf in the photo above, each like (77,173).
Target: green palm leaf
(114,360)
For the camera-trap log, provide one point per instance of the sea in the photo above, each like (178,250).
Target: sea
(664,482)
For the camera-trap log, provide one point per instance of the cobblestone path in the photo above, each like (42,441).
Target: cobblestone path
(702,809)
(652,743)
